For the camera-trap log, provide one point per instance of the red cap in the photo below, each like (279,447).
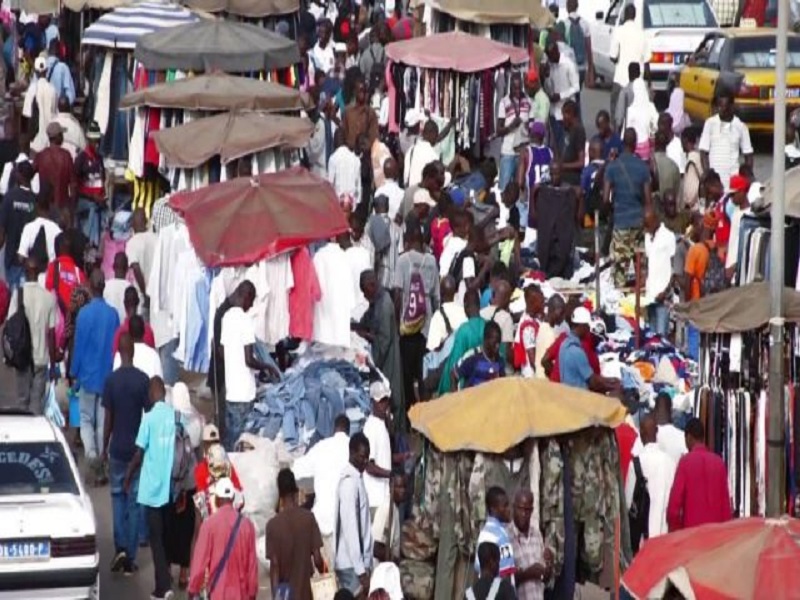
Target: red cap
(532,76)
(739,183)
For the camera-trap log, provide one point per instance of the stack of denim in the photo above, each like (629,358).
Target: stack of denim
(301,407)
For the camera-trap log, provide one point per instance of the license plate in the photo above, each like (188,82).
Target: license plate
(24,550)
(791,93)
(680,58)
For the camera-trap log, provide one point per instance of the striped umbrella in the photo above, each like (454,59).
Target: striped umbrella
(122,27)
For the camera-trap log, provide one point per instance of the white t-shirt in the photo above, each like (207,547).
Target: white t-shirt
(437,332)
(508,110)
(140,249)
(31,230)
(418,157)
(332,313)
(114,294)
(323,59)
(659,248)
(380,452)
(733,241)
(676,153)
(503,319)
(145,358)
(527,331)
(672,441)
(238,331)
(452,246)
(628,45)
(725,143)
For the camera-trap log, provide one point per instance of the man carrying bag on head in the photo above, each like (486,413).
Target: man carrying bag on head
(224,562)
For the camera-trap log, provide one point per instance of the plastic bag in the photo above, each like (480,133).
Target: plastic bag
(51,408)
(258,472)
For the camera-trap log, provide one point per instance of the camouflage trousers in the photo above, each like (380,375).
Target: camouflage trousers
(623,249)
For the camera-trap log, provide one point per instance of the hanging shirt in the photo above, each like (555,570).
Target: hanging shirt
(304,295)
(333,312)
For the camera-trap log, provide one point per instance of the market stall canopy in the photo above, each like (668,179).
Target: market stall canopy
(791,195)
(498,415)
(230,136)
(245,220)
(455,51)
(742,558)
(737,309)
(217,91)
(246,8)
(79,5)
(123,26)
(36,7)
(217,45)
(520,12)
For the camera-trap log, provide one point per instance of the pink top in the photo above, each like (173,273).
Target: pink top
(303,296)
(239,578)
(148,339)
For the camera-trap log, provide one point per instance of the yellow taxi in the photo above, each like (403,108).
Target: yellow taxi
(741,60)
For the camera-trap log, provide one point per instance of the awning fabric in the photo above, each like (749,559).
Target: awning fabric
(122,27)
(245,220)
(455,51)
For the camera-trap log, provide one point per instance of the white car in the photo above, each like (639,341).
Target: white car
(674,29)
(48,544)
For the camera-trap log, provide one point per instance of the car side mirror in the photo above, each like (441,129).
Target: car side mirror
(599,15)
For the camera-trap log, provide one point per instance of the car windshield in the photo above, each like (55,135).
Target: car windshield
(678,13)
(35,468)
(759,53)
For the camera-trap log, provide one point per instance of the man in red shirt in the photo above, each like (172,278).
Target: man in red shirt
(56,168)
(550,360)
(224,560)
(131,302)
(700,490)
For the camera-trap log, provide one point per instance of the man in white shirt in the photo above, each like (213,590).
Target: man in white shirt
(725,140)
(321,57)
(513,113)
(140,249)
(628,45)
(31,231)
(659,470)
(379,467)
(238,340)
(320,146)
(74,138)
(659,247)
(674,146)
(391,188)
(562,85)
(145,358)
(498,312)
(324,463)
(448,318)
(344,172)
(421,153)
(114,292)
(670,439)
(740,196)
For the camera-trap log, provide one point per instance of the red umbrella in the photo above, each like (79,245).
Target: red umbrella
(743,558)
(248,219)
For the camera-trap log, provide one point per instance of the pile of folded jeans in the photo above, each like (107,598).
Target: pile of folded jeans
(301,408)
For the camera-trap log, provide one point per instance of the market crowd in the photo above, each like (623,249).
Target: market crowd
(465,267)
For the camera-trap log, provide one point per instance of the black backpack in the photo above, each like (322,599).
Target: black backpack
(456,268)
(639,511)
(17,345)
(39,249)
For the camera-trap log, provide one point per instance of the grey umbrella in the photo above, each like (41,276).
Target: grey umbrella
(216,45)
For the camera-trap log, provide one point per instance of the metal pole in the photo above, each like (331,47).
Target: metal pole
(776,467)
(597,301)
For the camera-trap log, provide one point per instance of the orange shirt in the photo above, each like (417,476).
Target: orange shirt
(696,264)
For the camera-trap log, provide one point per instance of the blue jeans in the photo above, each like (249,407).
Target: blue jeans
(235,416)
(169,364)
(508,169)
(92,418)
(692,342)
(557,139)
(658,317)
(348,580)
(127,512)
(90,217)
(14,275)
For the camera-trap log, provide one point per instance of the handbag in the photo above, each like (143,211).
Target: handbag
(323,586)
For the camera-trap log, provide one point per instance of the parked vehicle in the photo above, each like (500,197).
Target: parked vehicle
(674,28)
(48,547)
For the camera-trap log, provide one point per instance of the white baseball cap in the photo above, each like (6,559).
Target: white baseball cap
(378,390)
(224,489)
(581,316)
(413,117)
